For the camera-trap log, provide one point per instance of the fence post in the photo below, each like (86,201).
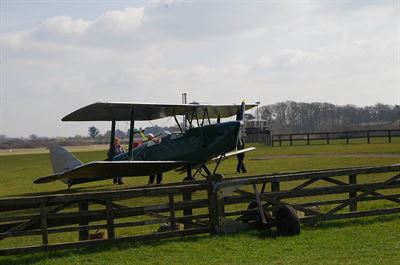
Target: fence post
(327,138)
(216,204)
(83,234)
(347,137)
(352,194)
(280,140)
(308,139)
(172,211)
(290,138)
(110,220)
(275,186)
(389,136)
(367,137)
(187,196)
(43,224)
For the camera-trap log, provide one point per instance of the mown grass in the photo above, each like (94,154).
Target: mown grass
(362,241)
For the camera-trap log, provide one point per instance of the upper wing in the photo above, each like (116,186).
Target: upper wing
(104,111)
(110,169)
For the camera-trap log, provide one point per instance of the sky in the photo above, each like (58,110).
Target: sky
(58,56)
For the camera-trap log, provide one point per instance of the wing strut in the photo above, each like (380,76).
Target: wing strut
(131,133)
(204,116)
(111,152)
(218,163)
(177,122)
(197,118)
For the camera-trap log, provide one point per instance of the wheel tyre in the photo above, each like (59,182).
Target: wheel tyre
(288,222)
(252,205)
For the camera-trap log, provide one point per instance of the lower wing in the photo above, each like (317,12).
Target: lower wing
(220,157)
(230,154)
(109,169)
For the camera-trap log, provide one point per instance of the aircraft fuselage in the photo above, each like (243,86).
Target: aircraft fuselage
(197,144)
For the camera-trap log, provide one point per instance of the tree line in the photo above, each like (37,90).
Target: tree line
(282,117)
(299,117)
(93,137)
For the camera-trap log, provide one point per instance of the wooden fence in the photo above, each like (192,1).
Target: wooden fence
(327,137)
(211,206)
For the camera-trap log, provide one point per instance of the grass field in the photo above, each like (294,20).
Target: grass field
(372,240)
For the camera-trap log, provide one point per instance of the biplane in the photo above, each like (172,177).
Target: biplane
(200,142)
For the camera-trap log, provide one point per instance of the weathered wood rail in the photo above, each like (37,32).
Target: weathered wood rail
(191,208)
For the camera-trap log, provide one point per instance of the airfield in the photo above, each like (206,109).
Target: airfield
(369,240)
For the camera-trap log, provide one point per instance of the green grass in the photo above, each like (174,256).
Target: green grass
(371,241)
(360,241)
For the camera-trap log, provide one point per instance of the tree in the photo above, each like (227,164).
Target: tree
(33,137)
(93,132)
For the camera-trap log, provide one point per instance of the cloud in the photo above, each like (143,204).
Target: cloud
(116,23)
(62,26)
(120,22)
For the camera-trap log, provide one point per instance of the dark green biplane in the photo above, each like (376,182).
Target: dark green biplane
(196,145)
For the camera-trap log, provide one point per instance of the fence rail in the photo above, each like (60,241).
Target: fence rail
(211,206)
(324,137)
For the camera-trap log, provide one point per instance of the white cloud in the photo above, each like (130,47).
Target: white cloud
(62,26)
(125,21)
(116,24)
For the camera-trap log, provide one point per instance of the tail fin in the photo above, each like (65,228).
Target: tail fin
(62,160)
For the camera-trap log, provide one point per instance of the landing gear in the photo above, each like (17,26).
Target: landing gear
(199,171)
(69,184)
(286,220)
(189,176)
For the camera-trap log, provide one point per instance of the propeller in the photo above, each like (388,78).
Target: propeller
(240,112)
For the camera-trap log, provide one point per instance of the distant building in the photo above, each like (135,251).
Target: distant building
(257,132)
(256,126)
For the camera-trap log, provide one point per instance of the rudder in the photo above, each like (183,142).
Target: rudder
(62,160)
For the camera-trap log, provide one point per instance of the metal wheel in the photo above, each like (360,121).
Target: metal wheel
(288,222)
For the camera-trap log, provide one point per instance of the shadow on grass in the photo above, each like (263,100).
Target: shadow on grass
(62,191)
(352,222)
(73,190)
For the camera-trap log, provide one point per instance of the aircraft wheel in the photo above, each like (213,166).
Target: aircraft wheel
(288,222)
(252,205)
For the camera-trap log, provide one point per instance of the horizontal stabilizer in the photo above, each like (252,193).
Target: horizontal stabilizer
(47,179)
(110,169)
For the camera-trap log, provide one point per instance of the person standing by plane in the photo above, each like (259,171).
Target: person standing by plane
(116,150)
(240,157)
(152,140)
